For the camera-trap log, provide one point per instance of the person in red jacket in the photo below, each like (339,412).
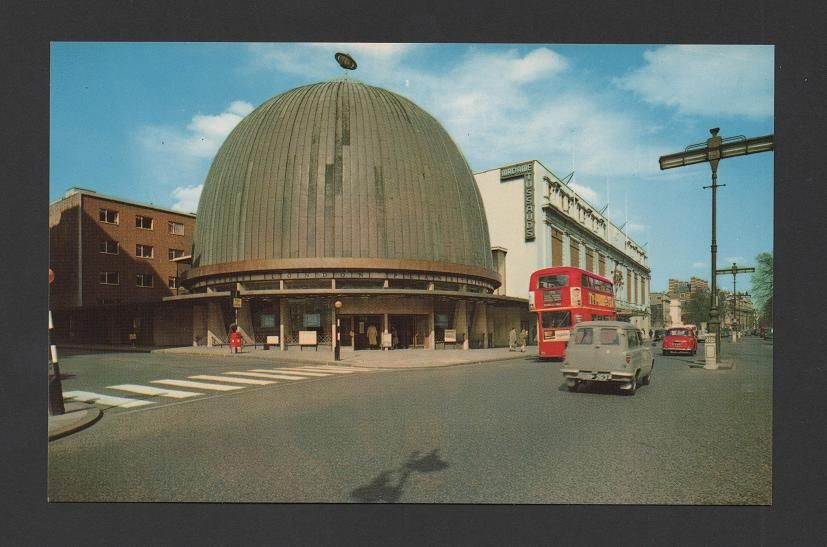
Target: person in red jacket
(236,341)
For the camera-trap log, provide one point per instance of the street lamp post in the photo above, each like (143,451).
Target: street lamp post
(337,340)
(713,150)
(734,270)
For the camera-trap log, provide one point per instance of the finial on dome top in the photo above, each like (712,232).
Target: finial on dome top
(345,61)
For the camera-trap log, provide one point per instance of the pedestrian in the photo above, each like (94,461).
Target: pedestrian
(522,339)
(372,332)
(394,338)
(650,334)
(236,341)
(512,339)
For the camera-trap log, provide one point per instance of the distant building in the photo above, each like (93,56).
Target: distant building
(660,305)
(697,284)
(536,220)
(113,263)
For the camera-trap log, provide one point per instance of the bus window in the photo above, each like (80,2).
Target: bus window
(556,319)
(553,281)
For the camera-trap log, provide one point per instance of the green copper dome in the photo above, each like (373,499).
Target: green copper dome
(340,170)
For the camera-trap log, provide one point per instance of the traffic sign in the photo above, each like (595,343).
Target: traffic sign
(236,302)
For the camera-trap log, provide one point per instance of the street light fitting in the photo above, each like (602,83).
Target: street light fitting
(728,148)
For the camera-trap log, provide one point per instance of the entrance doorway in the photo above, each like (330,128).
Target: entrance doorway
(410,330)
(362,331)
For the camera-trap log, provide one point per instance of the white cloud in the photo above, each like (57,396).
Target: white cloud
(635,227)
(706,80)
(186,198)
(698,265)
(181,156)
(585,192)
(736,259)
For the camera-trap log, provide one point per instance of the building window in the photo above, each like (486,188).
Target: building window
(590,259)
(145,223)
(145,280)
(172,282)
(109,278)
(108,247)
(175,253)
(108,216)
(601,265)
(144,251)
(574,248)
(556,247)
(176,228)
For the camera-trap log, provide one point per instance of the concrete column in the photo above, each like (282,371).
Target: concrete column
(199,324)
(283,323)
(216,329)
(245,323)
(385,322)
(461,322)
(430,343)
(480,326)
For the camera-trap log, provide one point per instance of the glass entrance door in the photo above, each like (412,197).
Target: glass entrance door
(346,331)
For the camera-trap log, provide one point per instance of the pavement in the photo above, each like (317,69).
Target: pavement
(384,359)
(79,416)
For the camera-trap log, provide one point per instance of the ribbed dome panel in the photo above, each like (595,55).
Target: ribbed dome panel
(340,170)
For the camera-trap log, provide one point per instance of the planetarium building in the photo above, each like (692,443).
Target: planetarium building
(343,199)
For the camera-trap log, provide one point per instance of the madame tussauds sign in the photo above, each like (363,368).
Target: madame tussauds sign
(526,171)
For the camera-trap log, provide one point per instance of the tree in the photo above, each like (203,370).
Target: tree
(762,288)
(698,305)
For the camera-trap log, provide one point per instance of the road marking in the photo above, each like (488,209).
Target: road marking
(291,371)
(197,385)
(233,380)
(149,390)
(335,368)
(260,375)
(320,369)
(108,400)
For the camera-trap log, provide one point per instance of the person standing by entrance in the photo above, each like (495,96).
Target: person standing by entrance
(372,342)
(512,339)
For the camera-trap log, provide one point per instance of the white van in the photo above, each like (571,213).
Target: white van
(608,351)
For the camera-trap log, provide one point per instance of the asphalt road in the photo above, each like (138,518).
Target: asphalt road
(492,433)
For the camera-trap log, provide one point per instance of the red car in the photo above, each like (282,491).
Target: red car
(681,340)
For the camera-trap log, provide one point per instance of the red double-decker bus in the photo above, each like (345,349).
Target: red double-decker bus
(563,297)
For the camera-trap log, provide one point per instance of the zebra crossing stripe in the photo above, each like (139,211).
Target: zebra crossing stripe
(196,385)
(262,375)
(149,390)
(336,368)
(320,369)
(233,380)
(106,400)
(291,371)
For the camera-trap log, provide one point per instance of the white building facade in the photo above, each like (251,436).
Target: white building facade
(536,220)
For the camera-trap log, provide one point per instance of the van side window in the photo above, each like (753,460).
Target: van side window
(632,337)
(583,336)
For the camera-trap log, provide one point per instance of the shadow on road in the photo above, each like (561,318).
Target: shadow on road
(384,488)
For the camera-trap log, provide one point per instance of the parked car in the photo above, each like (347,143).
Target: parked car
(608,351)
(680,340)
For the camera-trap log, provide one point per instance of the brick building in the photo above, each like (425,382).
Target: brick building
(113,264)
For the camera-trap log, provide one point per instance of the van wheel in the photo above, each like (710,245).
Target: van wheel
(633,388)
(574,386)
(664,352)
(646,379)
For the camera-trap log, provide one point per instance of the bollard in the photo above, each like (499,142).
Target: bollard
(55,387)
(709,352)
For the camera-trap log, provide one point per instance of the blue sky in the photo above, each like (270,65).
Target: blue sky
(143,121)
